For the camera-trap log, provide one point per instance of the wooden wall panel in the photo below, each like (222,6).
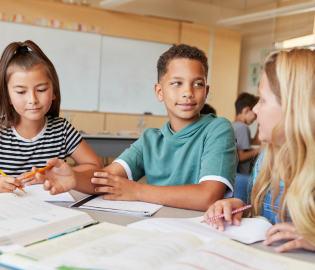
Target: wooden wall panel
(196,35)
(225,71)
(88,122)
(113,23)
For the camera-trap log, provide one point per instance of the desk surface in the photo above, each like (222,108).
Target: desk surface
(170,212)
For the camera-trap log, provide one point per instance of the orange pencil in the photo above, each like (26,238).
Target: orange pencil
(20,188)
(39,171)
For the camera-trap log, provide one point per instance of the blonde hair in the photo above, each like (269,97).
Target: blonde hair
(291,77)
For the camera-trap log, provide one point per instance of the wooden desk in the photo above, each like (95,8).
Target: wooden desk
(109,145)
(170,212)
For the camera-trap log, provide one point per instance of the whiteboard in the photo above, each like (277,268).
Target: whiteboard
(128,75)
(75,55)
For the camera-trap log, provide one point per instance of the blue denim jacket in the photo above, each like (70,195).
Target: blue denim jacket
(266,210)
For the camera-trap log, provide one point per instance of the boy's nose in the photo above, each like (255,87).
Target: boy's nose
(188,93)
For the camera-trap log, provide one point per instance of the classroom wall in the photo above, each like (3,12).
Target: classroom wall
(225,50)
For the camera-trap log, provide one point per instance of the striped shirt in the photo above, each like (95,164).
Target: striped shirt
(58,139)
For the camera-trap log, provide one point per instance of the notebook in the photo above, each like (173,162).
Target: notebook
(95,202)
(37,191)
(24,221)
(244,233)
(113,247)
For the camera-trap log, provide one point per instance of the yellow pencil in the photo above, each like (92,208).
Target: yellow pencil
(39,171)
(20,188)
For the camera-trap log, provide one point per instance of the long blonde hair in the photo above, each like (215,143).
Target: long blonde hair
(291,77)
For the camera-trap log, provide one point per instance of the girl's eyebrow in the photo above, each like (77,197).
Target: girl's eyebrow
(23,86)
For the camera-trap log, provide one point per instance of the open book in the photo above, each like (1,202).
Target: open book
(251,230)
(109,246)
(24,221)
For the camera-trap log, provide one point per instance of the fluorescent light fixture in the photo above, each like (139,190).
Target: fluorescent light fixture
(269,14)
(113,3)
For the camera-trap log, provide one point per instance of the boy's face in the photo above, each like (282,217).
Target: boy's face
(183,90)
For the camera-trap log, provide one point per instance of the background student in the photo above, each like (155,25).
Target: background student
(245,117)
(183,161)
(30,130)
(286,118)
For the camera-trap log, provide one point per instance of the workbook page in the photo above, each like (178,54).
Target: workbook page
(226,255)
(104,246)
(251,229)
(37,191)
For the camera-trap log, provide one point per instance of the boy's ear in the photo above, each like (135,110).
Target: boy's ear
(207,91)
(158,92)
(246,110)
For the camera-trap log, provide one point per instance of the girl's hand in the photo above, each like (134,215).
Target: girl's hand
(286,231)
(119,188)
(8,184)
(30,180)
(61,178)
(225,207)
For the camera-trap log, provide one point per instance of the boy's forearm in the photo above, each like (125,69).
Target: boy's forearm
(247,155)
(195,197)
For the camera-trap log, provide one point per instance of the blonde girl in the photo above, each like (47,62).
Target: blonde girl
(31,130)
(284,179)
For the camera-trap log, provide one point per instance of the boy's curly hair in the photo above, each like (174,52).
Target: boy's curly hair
(177,52)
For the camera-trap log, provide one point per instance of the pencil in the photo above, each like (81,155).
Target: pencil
(39,171)
(19,187)
(233,212)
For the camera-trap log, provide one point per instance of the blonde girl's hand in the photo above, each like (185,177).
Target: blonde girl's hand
(30,180)
(286,231)
(225,207)
(8,184)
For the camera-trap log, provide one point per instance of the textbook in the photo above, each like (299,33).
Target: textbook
(24,221)
(95,202)
(250,231)
(114,247)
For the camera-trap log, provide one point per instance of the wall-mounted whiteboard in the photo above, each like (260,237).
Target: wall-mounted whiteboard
(128,75)
(96,73)
(75,55)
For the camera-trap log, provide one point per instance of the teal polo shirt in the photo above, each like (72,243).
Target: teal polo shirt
(205,150)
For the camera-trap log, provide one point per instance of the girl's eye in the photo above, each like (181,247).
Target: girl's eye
(41,90)
(260,100)
(21,92)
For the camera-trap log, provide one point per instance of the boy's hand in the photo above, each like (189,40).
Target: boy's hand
(8,184)
(286,231)
(225,207)
(60,178)
(119,188)
(31,180)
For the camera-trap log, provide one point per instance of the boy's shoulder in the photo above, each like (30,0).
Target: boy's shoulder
(238,125)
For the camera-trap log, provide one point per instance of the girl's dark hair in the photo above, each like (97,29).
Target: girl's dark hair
(24,55)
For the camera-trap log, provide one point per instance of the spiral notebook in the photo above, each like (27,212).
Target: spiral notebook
(95,202)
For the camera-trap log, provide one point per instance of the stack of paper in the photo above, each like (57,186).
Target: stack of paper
(126,207)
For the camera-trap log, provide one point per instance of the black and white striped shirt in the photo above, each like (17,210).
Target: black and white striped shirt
(58,139)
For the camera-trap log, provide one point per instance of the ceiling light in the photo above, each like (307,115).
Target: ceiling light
(269,14)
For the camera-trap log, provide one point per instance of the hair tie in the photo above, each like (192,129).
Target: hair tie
(22,49)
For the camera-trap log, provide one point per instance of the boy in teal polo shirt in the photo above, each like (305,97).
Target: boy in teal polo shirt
(189,163)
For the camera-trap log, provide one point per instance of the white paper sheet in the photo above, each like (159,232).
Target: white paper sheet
(37,191)
(125,207)
(251,230)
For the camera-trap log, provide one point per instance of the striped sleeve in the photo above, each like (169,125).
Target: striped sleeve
(72,138)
